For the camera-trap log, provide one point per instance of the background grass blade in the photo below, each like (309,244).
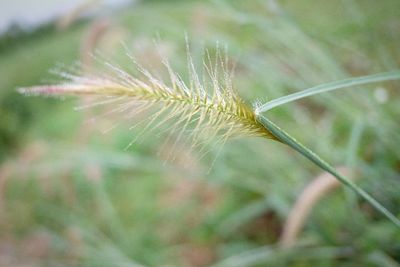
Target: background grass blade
(293,143)
(380,77)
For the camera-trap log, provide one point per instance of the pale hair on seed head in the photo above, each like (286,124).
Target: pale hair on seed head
(207,108)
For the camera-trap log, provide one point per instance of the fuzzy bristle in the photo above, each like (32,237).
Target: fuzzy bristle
(207,112)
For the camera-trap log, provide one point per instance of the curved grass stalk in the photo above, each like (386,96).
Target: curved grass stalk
(313,192)
(322,88)
(285,138)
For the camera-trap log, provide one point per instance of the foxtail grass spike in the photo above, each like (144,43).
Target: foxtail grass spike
(212,108)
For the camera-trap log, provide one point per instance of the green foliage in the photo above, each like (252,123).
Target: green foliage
(99,205)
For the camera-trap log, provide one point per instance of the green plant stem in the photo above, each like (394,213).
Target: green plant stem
(293,143)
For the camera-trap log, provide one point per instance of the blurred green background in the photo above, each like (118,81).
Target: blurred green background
(70,195)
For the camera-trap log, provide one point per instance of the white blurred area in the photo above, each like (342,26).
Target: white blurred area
(32,13)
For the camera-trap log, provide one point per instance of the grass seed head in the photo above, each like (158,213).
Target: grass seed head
(207,108)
